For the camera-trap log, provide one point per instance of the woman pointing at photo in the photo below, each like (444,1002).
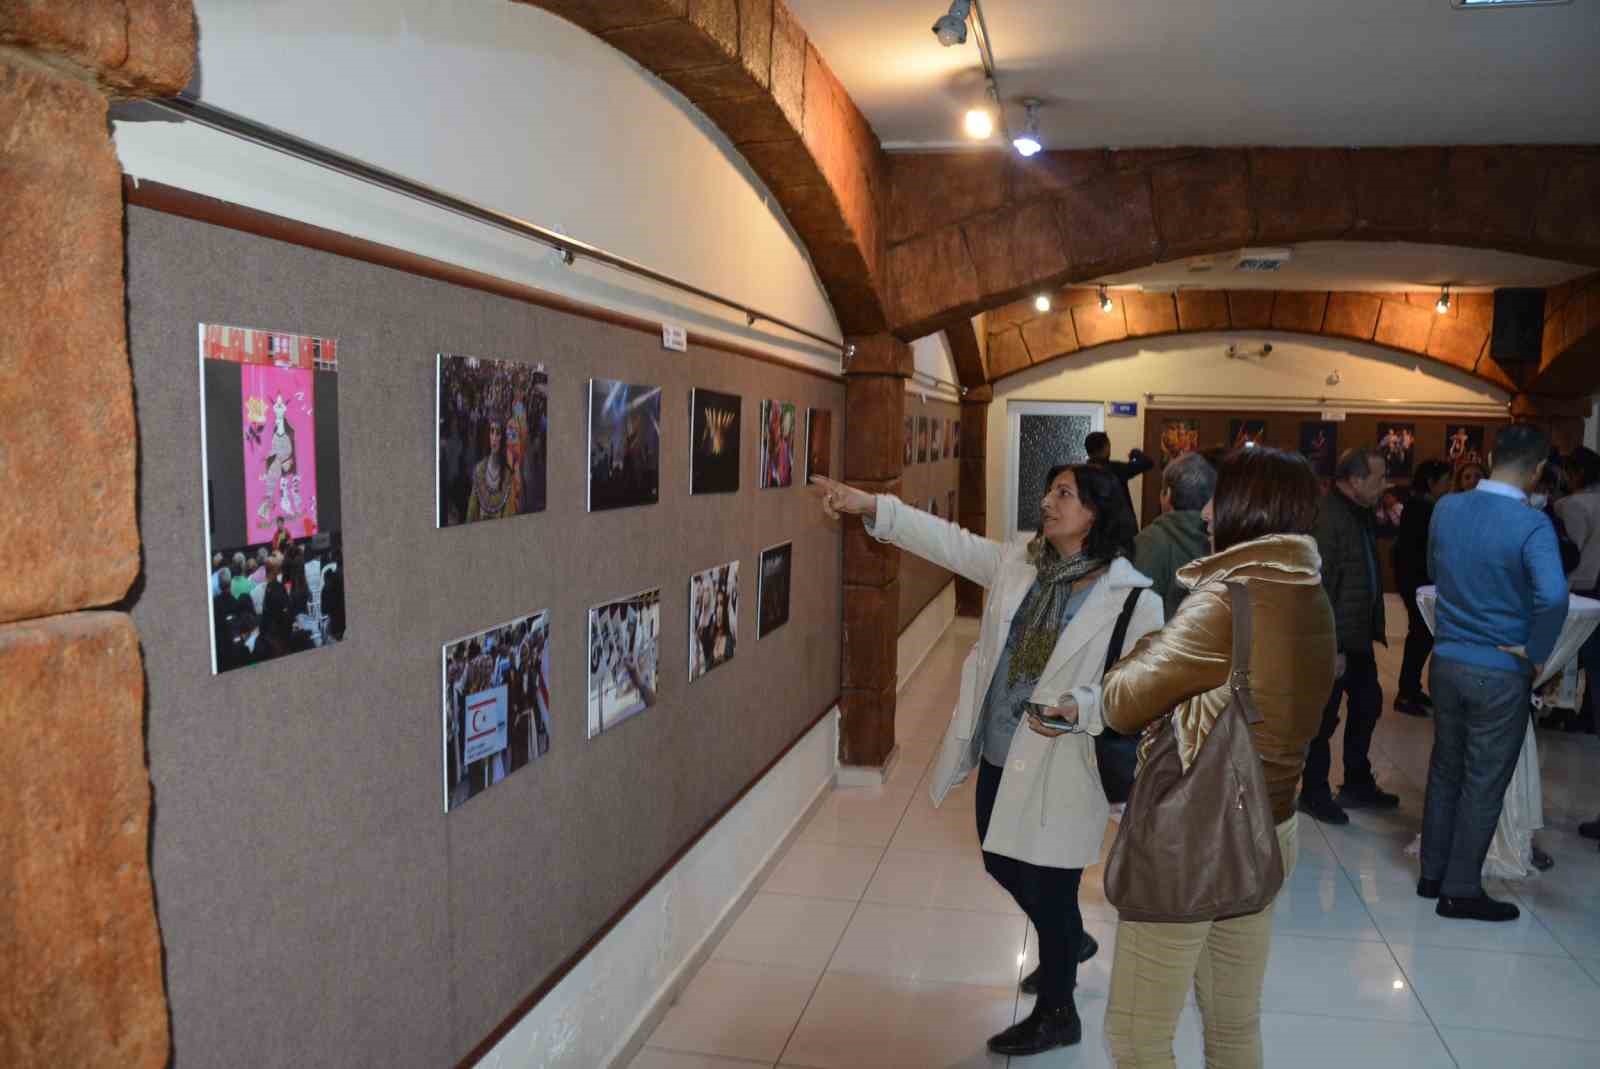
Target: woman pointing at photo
(1053,604)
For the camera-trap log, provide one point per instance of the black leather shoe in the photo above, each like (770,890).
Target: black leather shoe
(1086,950)
(1040,1031)
(1543,861)
(1427,888)
(1590,829)
(1410,707)
(1366,796)
(1481,908)
(1323,810)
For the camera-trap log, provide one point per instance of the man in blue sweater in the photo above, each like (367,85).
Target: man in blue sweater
(1502,602)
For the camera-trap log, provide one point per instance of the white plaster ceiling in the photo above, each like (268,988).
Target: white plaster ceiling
(1370,266)
(1141,73)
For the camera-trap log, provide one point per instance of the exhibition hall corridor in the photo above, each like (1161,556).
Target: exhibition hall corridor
(877,940)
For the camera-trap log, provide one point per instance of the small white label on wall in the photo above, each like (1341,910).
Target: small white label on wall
(1333,415)
(674,337)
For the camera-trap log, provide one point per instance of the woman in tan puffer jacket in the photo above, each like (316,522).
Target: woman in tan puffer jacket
(1260,522)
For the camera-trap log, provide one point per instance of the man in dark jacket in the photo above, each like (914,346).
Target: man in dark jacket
(1349,550)
(1098,446)
(1178,535)
(1429,482)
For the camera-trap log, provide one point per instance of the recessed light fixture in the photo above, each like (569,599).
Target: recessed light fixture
(1442,305)
(1042,302)
(1028,142)
(1106,303)
(951,27)
(979,123)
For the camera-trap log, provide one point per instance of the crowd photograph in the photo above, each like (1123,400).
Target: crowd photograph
(496,705)
(624,659)
(713,618)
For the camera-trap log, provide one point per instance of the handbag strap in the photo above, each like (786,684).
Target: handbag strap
(1239,678)
(1119,633)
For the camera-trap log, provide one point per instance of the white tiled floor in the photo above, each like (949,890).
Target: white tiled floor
(878,940)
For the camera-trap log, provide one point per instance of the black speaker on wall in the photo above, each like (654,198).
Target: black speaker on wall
(1518,327)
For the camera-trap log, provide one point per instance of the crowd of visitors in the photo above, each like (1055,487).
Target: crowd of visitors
(1249,608)
(271,600)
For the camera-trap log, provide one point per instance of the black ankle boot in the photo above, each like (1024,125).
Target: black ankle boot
(1042,1030)
(1086,950)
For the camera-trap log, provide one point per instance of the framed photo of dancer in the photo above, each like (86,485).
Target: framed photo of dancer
(1398,444)
(496,705)
(624,445)
(819,442)
(270,482)
(624,639)
(772,589)
(1319,444)
(713,618)
(1178,437)
(777,444)
(1463,444)
(714,430)
(1246,433)
(493,419)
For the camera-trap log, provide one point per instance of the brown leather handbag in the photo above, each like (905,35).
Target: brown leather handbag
(1200,845)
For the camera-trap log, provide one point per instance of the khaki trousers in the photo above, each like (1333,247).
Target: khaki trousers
(1226,961)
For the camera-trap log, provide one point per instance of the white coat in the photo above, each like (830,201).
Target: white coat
(1050,809)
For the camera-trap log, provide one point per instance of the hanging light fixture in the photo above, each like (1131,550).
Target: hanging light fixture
(1028,143)
(1106,303)
(1042,302)
(951,27)
(1442,305)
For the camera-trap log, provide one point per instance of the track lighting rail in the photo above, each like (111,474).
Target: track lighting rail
(569,249)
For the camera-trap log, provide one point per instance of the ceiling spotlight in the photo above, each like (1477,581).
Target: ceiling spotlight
(951,28)
(1028,143)
(980,123)
(1106,303)
(1042,302)
(1442,305)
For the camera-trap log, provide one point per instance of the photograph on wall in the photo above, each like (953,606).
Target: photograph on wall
(922,439)
(1463,444)
(623,659)
(270,462)
(950,505)
(496,705)
(911,441)
(772,589)
(1398,444)
(933,506)
(493,429)
(714,430)
(949,439)
(1319,444)
(1390,508)
(624,445)
(1178,436)
(955,439)
(936,439)
(819,442)
(1246,433)
(777,444)
(1043,441)
(713,618)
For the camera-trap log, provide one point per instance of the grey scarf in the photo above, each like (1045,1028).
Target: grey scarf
(1043,626)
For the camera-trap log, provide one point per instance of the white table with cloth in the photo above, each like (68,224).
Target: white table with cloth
(1511,851)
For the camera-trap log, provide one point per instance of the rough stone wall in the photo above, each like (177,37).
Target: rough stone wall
(79,946)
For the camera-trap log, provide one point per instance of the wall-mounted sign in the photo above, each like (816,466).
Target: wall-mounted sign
(1122,408)
(1333,415)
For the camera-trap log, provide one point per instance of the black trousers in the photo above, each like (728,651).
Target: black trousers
(1360,684)
(1049,896)
(1419,643)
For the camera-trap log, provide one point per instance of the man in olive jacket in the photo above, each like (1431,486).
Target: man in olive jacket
(1178,535)
(1349,549)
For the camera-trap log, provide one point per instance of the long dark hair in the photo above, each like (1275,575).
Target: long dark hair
(1262,491)
(1101,491)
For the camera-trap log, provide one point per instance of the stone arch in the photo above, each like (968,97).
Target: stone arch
(969,232)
